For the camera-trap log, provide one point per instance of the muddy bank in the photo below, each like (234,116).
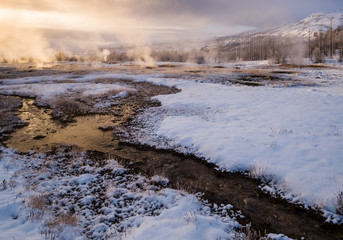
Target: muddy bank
(65,120)
(196,175)
(185,172)
(9,119)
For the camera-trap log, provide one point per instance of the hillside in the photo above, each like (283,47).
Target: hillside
(316,22)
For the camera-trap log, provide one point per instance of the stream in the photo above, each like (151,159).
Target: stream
(186,172)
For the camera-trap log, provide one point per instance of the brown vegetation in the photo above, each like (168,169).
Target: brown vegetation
(63,57)
(340,203)
(38,205)
(65,109)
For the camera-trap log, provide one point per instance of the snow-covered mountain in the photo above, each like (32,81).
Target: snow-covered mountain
(316,22)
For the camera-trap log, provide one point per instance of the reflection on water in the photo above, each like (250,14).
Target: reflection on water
(43,131)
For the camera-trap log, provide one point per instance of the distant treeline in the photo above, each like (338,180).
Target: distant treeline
(249,47)
(253,47)
(281,49)
(161,54)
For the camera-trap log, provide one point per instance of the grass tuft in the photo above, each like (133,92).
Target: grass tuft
(340,203)
(190,217)
(247,233)
(39,204)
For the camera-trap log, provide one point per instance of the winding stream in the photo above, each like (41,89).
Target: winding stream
(265,212)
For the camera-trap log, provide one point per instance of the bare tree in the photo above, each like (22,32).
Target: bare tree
(309,45)
(331,37)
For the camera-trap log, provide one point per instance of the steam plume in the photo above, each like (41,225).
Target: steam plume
(23,44)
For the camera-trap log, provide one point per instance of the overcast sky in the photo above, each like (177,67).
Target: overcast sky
(164,17)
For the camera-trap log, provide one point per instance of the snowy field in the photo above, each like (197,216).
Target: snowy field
(291,136)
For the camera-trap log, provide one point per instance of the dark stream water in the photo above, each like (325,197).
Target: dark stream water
(263,211)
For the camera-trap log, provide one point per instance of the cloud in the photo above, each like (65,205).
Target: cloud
(120,15)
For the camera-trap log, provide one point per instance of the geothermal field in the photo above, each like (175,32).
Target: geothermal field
(123,150)
(171,120)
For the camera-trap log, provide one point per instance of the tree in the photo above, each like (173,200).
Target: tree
(309,46)
(318,56)
(331,37)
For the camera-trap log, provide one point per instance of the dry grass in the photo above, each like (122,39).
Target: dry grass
(190,217)
(65,108)
(55,226)
(258,170)
(68,106)
(340,203)
(38,205)
(250,234)
(3,186)
(288,66)
(12,183)
(168,65)
(189,187)
(63,220)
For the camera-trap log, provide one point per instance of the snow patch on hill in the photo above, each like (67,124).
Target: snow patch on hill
(316,22)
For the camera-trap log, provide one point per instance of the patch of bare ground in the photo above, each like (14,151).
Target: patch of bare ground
(290,66)
(13,71)
(67,107)
(9,119)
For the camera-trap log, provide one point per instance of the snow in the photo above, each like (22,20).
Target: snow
(274,236)
(292,136)
(13,224)
(36,79)
(316,22)
(106,200)
(49,91)
(289,136)
(83,179)
(184,217)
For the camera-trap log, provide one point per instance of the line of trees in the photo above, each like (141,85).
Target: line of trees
(326,45)
(258,47)
(279,49)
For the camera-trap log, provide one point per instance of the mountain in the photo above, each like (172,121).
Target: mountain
(314,23)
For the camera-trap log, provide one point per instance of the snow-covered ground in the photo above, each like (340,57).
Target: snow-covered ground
(292,136)
(51,90)
(13,223)
(67,195)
